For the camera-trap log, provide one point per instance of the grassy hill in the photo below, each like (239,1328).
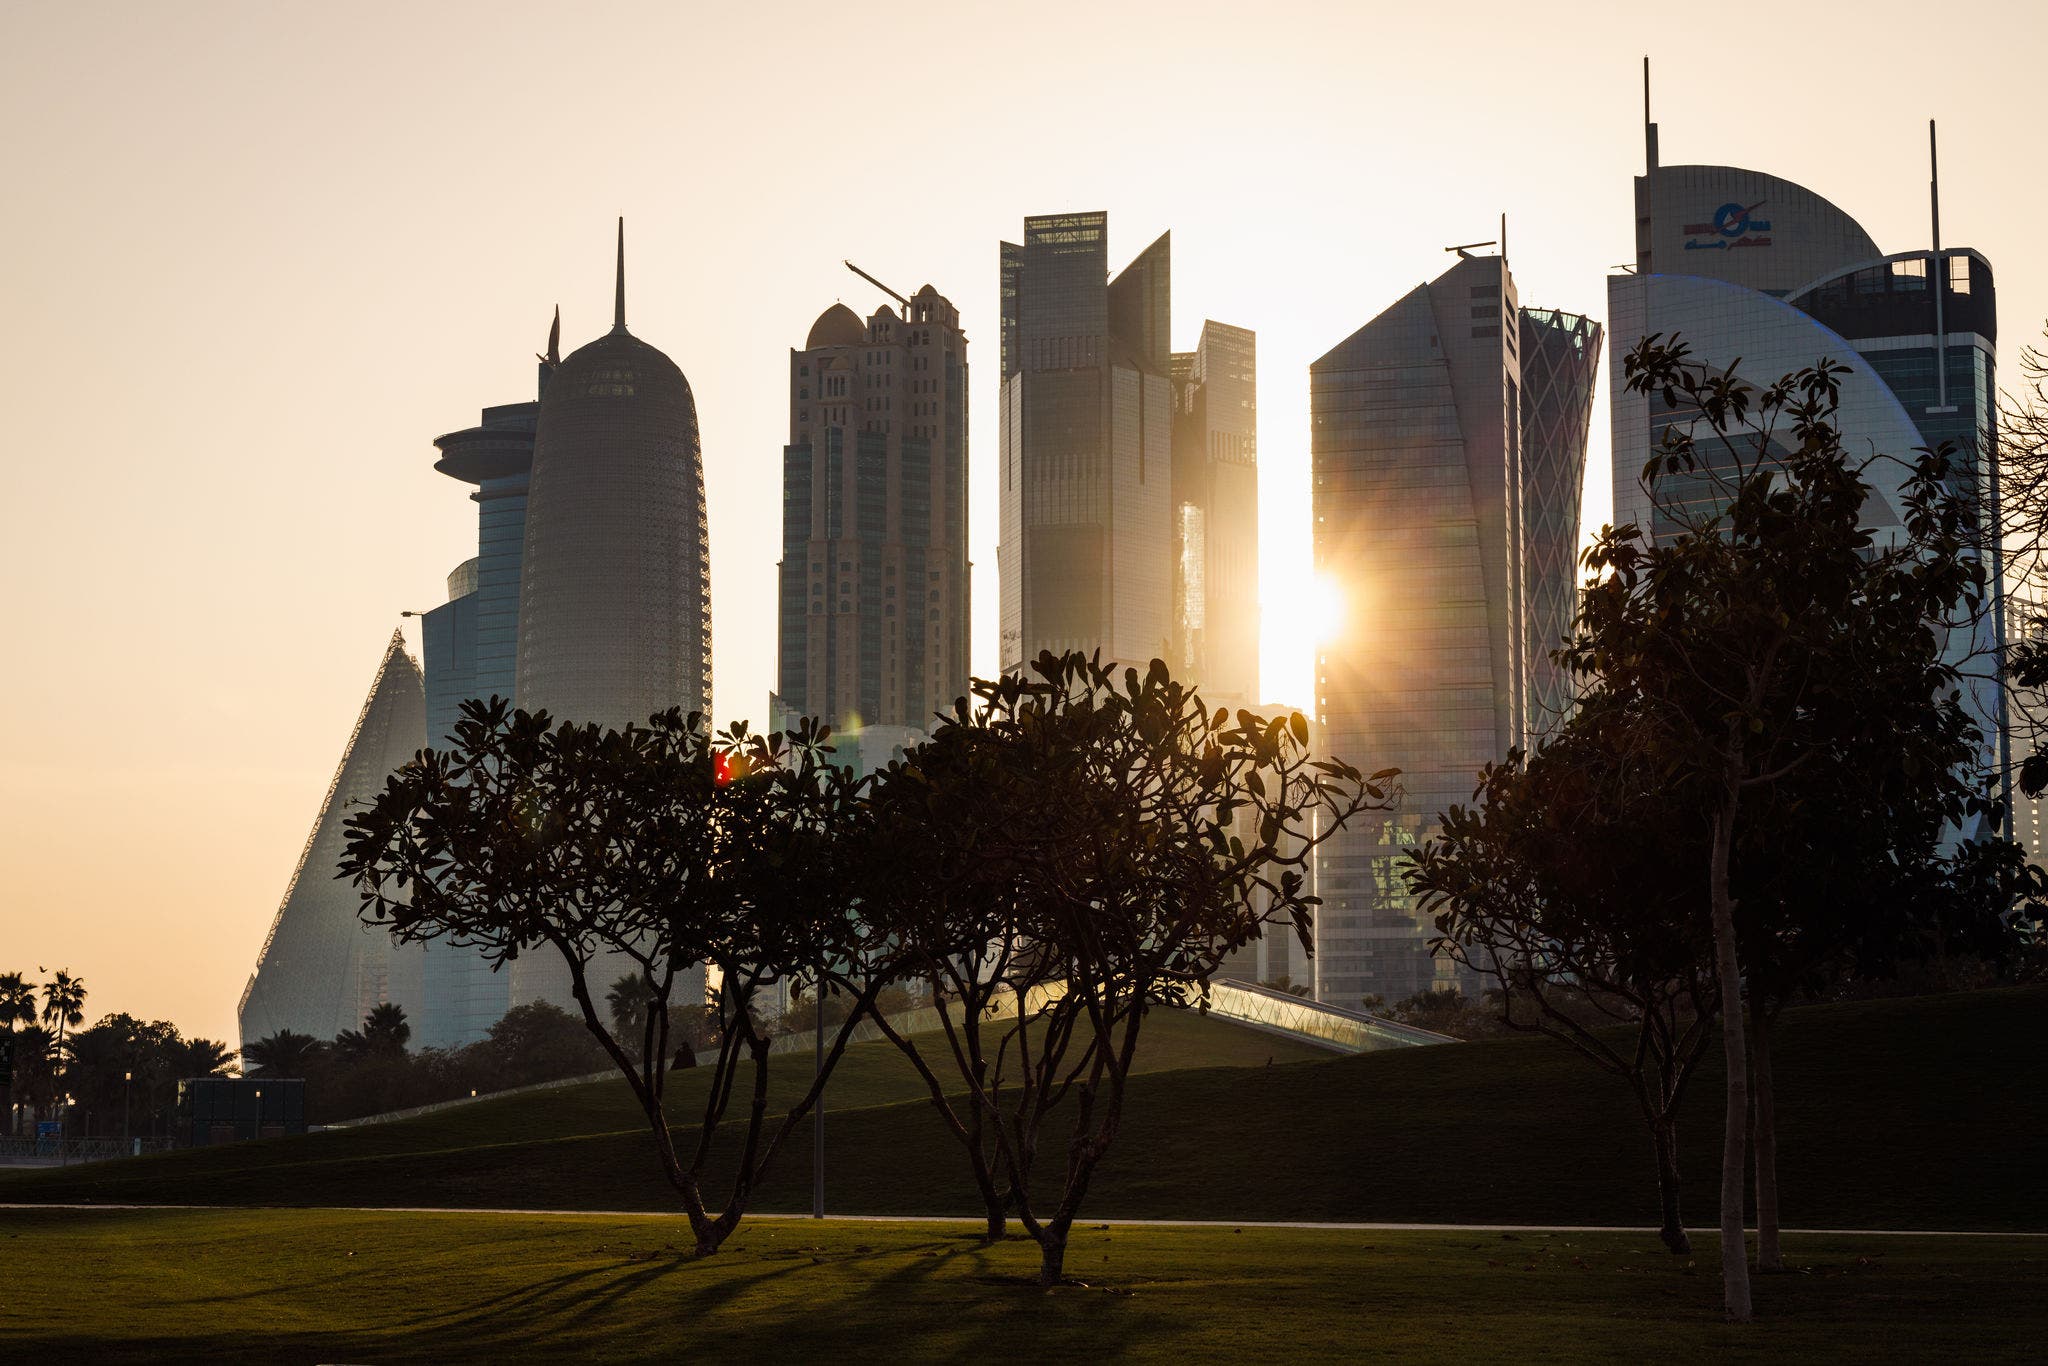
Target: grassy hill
(1918,1113)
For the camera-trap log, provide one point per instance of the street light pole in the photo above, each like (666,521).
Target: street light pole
(818,1114)
(126,1077)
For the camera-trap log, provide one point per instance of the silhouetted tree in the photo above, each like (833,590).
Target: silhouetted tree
(17,1001)
(287,1053)
(1570,883)
(1066,858)
(63,1007)
(1770,633)
(661,844)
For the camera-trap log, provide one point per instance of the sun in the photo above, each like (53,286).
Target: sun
(1306,614)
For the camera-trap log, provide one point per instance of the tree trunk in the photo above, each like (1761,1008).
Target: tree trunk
(998,1214)
(1052,1245)
(1735,1300)
(1664,1133)
(1768,1256)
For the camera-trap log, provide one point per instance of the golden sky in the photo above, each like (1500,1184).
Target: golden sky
(255,257)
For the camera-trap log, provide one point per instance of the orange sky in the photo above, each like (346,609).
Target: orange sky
(256,257)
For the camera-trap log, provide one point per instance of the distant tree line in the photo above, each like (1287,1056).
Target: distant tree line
(121,1074)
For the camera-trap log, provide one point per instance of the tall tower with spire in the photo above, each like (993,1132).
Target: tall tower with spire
(615,578)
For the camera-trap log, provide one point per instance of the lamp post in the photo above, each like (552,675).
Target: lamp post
(259,1114)
(63,1129)
(126,1078)
(818,1114)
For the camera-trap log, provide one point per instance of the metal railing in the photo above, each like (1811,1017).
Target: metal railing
(1332,1027)
(64,1152)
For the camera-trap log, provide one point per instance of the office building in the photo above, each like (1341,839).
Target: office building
(1215,532)
(615,578)
(1756,272)
(1439,498)
(470,649)
(1086,556)
(873,583)
(1560,362)
(320,969)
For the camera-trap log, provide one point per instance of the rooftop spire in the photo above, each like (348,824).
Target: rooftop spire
(554,355)
(619,303)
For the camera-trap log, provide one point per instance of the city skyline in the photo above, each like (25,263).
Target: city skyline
(245,595)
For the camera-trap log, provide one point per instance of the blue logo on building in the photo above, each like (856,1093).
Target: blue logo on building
(1733,225)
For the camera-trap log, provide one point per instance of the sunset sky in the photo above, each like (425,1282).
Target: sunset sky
(256,257)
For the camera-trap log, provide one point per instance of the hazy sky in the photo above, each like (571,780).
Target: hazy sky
(257,256)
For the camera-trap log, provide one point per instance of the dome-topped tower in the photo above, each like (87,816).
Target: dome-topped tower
(615,589)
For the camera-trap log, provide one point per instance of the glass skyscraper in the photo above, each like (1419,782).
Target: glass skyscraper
(1216,515)
(1086,556)
(471,648)
(320,969)
(1448,445)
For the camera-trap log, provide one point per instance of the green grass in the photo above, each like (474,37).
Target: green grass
(1921,1113)
(284,1285)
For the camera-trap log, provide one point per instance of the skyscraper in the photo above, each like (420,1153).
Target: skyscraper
(874,574)
(320,969)
(615,580)
(471,651)
(1086,554)
(615,584)
(1753,271)
(1438,502)
(1560,361)
(1215,534)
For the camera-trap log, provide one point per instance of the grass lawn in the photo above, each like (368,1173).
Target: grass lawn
(1919,1113)
(303,1285)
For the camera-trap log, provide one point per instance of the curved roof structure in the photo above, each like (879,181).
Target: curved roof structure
(837,326)
(1747,227)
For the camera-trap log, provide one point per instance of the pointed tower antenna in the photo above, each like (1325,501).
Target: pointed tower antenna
(1503,239)
(1937,266)
(619,301)
(554,352)
(1649,128)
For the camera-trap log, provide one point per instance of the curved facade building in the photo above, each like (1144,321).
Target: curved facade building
(615,576)
(1753,271)
(1448,440)
(615,579)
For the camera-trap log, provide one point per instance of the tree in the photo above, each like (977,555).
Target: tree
(1066,858)
(287,1053)
(664,845)
(539,1041)
(1558,884)
(1772,633)
(17,1001)
(384,1034)
(64,1007)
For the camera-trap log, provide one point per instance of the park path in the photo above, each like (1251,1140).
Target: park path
(1334,1227)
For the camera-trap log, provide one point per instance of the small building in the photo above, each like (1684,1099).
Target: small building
(230,1109)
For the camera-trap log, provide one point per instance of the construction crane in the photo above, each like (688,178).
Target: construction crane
(877,284)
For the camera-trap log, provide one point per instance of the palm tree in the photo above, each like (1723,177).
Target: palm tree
(385,1029)
(17,1000)
(628,1000)
(205,1058)
(286,1053)
(63,1006)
